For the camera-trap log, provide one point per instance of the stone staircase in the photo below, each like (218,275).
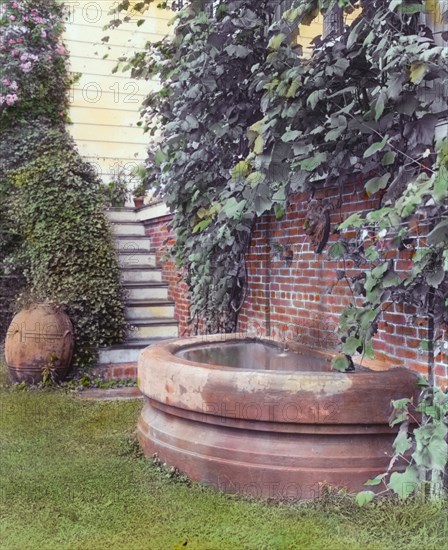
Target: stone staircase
(148,310)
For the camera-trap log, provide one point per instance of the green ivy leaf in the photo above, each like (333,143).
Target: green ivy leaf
(417,72)
(402,442)
(439,234)
(276,41)
(238,51)
(406,483)
(375,147)
(394,4)
(377,183)
(233,209)
(380,104)
(337,250)
(376,480)
(310,164)
(388,158)
(341,363)
(364,497)
(291,135)
(351,345)
(240,170)
(314,98)
(441,184)
(259,145)
(354,220)
(434,278)
(255,178)
(202,225)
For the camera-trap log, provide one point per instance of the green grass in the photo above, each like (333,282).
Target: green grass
(70,479)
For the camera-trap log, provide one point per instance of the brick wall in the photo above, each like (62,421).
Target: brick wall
(302,299)
(162,240)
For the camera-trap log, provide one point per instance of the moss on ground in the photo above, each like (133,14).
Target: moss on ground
(71,479)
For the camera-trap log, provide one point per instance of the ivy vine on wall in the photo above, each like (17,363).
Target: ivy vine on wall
(200,117)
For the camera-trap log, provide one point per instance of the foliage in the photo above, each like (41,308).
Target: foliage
(200,116)
(67,253)
(140,173)
(366,102)
(422,450)
(57,234)
(116,192)
(33,77)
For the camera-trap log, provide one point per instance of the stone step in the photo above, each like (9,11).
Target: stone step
(153,210)
(137,259)
(141,309)
(127,352)
(127,245)
(128,229)
(122,215)
(141,275)
(154,327)
(146,291)
(112,394)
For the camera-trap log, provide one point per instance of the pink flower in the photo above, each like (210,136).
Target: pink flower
(60,49)
(15,5)
(14,86)
(26,67)
(15,53)
(11,99)
(12,17)
(7,82)
(43,34)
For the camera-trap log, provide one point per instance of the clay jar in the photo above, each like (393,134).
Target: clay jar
(39,340)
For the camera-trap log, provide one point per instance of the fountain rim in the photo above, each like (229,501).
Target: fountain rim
(168,351)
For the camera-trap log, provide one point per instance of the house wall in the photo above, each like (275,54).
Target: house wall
(105,106)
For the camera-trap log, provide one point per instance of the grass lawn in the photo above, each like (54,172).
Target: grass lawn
(71,479)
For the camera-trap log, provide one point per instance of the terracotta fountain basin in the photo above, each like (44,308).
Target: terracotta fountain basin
(246,415)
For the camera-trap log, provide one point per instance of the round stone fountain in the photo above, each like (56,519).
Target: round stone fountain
(247,415)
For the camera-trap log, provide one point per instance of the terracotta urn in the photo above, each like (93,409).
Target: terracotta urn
(139,202)
(39,341)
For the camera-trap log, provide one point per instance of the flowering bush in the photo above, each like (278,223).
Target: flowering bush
(33,60)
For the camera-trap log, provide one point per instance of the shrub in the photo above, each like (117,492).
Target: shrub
(54,230)
(67,252)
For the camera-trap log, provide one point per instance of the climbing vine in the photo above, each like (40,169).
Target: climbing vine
(368,101)
(200,117)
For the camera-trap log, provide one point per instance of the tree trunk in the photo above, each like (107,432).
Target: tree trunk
(333,21)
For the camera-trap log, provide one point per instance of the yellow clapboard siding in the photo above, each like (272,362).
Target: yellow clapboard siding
(105,106)
(108,149)
(124,95)
(102,117)
(308,32)
(117,133)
